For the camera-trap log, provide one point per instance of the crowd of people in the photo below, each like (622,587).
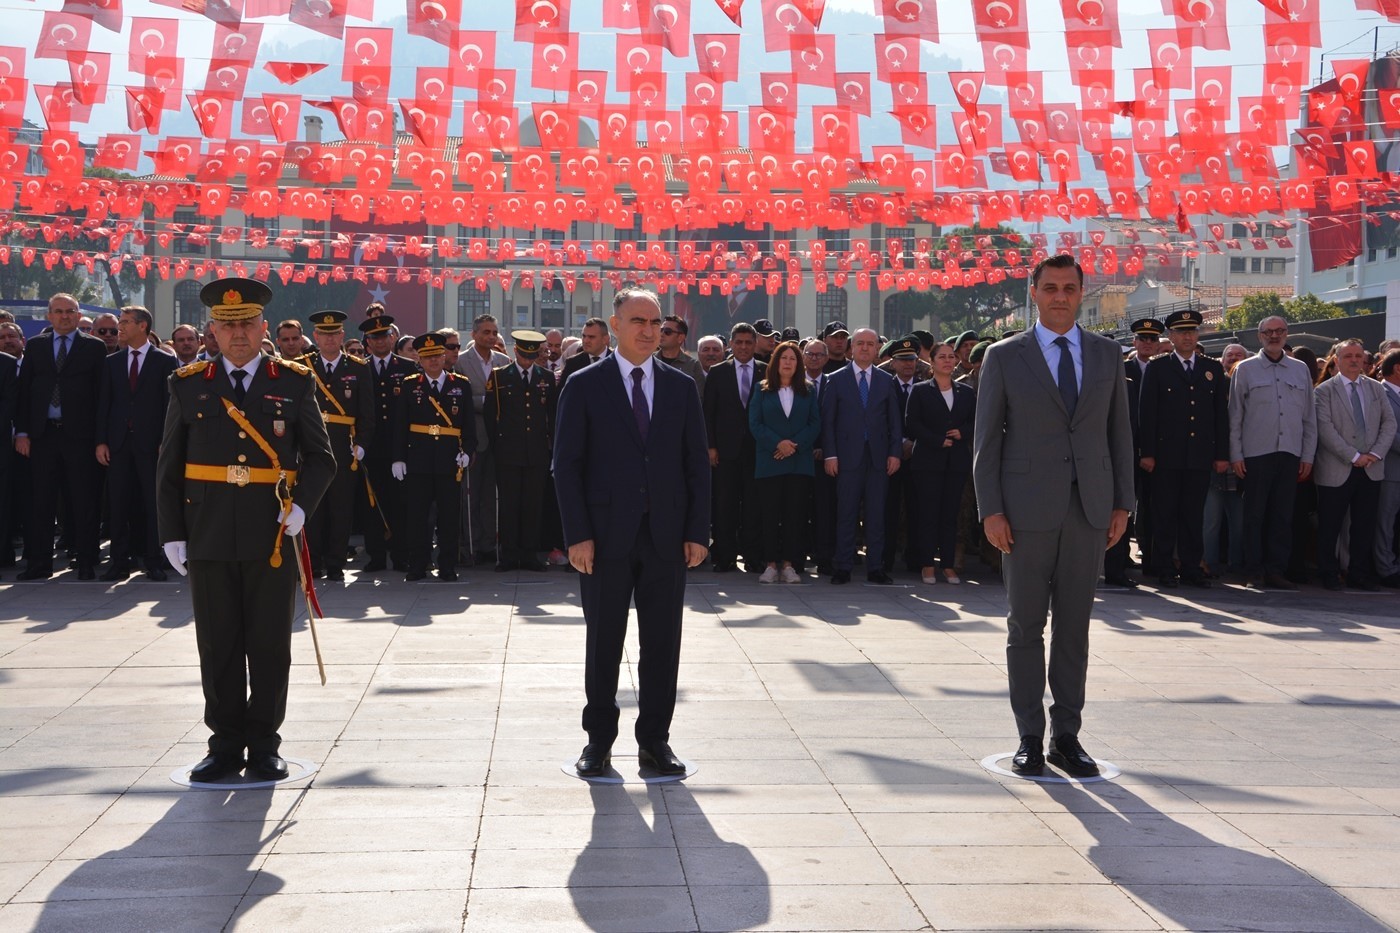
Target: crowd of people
(1274,468)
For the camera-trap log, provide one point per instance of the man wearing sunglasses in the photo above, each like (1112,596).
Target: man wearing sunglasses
(107,327)
(671,350)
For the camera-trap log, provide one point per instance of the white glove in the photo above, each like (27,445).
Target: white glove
(295,520)
(399,469)
(175,552)
(463,460)
(359,453)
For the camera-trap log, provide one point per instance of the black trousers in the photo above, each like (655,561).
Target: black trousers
(784,504)
(736,510)
(61,461)
(1361,496)
(1116,558)
(328,528)
(423,492)
(521,492)
(243,627)
(389,493)
(939,498)
(656,583)
(1270,484)
(131,495)
(823,544)
(901,514)
(1180,499)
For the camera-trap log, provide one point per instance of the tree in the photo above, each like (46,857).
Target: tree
(1309,307)
(1253,309)
(951,311)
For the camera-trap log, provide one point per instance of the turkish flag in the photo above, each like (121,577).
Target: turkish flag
(1213,90)
(636,59)
(813,60)
(895,54)
(118,151)
(554,58)
(1093,14)
(365,63)
(1005,62)
(324,16)
(853,91)
(62,33)
(1022,162)
(1001,21)
(835,132)
(771,130)
(703,91)
(917,125)
(291,72)
(143,109)
(667,24)
(967,87)
(911,18)
(588,92)
(717,55)
(783,22)
(435,19)
(779,91)
(1171,60)
(624,14)
(214,113)
(473,51)
(956,170)
(88,73)
(1201,23)
(540,17)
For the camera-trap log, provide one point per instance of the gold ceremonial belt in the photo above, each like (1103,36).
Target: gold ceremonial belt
(237,474)
(435,430)
(338,419)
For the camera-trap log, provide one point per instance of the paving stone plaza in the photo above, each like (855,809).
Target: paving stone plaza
(837,734)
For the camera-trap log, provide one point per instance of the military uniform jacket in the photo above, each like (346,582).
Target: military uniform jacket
(519,417)
(427,453)
(221,520)
(1184,421)
(353,387)
(386,394)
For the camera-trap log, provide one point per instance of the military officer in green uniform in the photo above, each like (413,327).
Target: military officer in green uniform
(434,433)
(345,393)
(243,459)
(519,417)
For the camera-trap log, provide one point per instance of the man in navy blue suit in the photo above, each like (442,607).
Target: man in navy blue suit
(862,440)
(131,402)
(632,473)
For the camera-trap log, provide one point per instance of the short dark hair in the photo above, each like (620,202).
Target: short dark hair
(597,322)
(142,315)
(289,322)
(743,327)
(1058,261)
(482,319)
(375,308)
(680,323)
(1389,363)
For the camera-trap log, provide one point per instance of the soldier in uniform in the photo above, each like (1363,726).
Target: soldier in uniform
(519,419)
(345,392)
(243,458)
(385,531)
(1147,337)
(434,433)
(1183,434)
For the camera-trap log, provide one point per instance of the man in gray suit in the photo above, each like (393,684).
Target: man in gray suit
(1053,467)
(1387,565)
(479,495)
(1355,428)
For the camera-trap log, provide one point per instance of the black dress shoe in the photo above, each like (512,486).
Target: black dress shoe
(1069,756)
(157,575)
(1167,582)
(840,576)
(116,572)
(374,566)
(216,768)
(824,570)
(1200,582)
(880,577)
(660,759)
(86,573)
(34,574)
(267,766)
(1123,580)
(724,566)
(534,566)
(1277,581)
(593,760)
(485,557)
(447,576)
(335,576)
(413,576)
(1029,759)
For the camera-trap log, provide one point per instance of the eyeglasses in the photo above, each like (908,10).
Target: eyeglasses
(813,356)
(668,331)
(107,331)
(1274,332)
(453,346)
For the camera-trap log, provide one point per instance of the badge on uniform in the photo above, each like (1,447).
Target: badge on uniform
(396,390)
(279,428)
(454,409)
(1209,375)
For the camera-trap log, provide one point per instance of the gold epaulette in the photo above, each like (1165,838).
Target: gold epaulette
(413,376)
(301,369)
(192,369)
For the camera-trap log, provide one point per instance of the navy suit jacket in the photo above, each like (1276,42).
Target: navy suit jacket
(78,383)
(928,422)
(847,427)
(140,417)
(609,481)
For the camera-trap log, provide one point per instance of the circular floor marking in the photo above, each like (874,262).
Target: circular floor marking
(613,776)
(297,768)
(1107,771)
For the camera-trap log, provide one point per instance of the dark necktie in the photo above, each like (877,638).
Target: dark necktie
(1358,417)
(56,399)
(1069,387)
(135,369)
(1187,364)
(903,397)
(639,404)
(745,384)
(239,392)
(864,389)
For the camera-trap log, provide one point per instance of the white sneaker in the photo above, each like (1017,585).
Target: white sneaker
(790,576)
(770,575)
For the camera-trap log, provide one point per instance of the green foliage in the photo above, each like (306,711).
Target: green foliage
(946,312)
(1255,308)
(1309,307)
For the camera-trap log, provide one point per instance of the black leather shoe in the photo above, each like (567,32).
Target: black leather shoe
(1123,580)
(375,566)
(485,557)
(335,576)
(86,573)
(413,576)
(267,766)
(1069,756)
(880,577)
(447,576)
(157,575)
(115,572)
(1029,759)
(1201,582)
(31,575)
(216,768)
(660,759)
(724,566)
(840,576)
(1277,581)
(593,760)
(534,566)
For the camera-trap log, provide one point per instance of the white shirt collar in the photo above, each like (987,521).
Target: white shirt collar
(330,363)
(249,367)
(1047,337)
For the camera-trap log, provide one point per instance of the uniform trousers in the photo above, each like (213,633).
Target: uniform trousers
(1359,495)
(1052,572)
(656,584)
(521,491)
(860,481)
(131,487)
(378,542)
(328,528)
(243,627)
(823,516)
(939,501)
(1386,513)
(61,461)
(424,492)
(1180,499)
(1270,485)
(901,504)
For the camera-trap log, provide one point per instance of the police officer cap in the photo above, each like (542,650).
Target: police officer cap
(1184,320)
(1147,327)
(235,299)
(835,327)
(978,352)
(905,348)
(328,322)
(764,327)
(791,333)
(376,325)
(429,344)
(527,342)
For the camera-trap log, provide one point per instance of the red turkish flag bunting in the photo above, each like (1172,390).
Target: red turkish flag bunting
(813,60)
(731,8)
(88,72)
(154,42)
(292,72)
(324,16)
(782,23)
(277,115)
(911,18)
(779,91)
(533,17)
(622,14)
(437,20)
(1093,14)
(365,63)
(1201,23)
(895,54)
(967,87)
(667,23)
(1171,60)
(213,113)
(554,59)
(717,55)
(853,91)
(1001,21)
(473,51)
(62,33)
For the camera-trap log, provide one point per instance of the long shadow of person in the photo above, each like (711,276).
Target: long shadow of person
(1190,880)
(638,876)
(190,870)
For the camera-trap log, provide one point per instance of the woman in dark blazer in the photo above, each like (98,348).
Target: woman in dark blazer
(785,422)
(939,420)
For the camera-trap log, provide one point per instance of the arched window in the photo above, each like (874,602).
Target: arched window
(552,307)
(188,308)
(831,306)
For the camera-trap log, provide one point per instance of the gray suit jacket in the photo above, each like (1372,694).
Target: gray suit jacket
(1335,420)
(1025,440)
(1392,456)
(471,365)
